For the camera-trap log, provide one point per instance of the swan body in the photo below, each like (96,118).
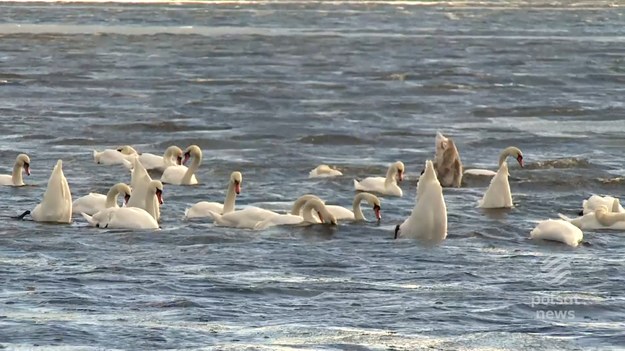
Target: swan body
(119,156)
(22,164)
(205,208)
(498,194)
(245,218)
(557,230)
(447,163)
(140,181)
(595,201)
(181,175)
(384,185)
(95,202)
(428,220)
(129,217)
(342,213)
(172,157)
(56,205)
(307,218)
(601,218)
(323,171)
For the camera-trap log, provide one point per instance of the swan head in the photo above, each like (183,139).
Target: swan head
(399,166)
(374,201)
(158,190)
(124,189)
(175,152)
(191,151)
(515,152)
(127,150)
(24,161)
(324,215)
(236,178)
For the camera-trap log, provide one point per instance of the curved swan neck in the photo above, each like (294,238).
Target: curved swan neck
(608,218)
(168,156)
(16,175)
(308,209)
(231,196)
(300,202)
(358,215)
(197,158)
(111,197)
(390,175)
(150,202)
(509,151)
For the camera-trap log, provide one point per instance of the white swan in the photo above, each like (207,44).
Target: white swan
(323,171)
(95,202)
(56,205)
(120,156)
(557,230)
(171,157)
(205,208)
(245,218)
(22,163)
(447,162)
(129,217)
(342,213)
(307,218)
(601,218)
(428,220)
(595,201)
(140,181)
(498,194)
(181,175)
(381,185)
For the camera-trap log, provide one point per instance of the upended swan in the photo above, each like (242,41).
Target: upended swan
(56,205)
(205,208)
(498,194)
(95,202)
(557,230)
(139,182)
(22,163)
(601,218)
(130,217)
(181,175)
(382,185)
(172,157)
(340,212)
(428,220)
(120,156)
(307,218)
(595,201)
(447,163)
(324,171)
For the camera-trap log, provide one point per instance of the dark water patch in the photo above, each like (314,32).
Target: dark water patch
(332,139)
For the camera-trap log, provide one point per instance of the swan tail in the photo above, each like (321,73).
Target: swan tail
(89,219)
(96,156)
(357,185)
(568,219)
(217,218)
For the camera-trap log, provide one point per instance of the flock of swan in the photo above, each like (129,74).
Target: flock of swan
(428,221)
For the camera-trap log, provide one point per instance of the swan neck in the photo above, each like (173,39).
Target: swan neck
(16,176)
(390,176)
(308,213)
(230,199)
(358,215)
(297,206)
(150,203)
(111,197)
(609,219)
(195,164)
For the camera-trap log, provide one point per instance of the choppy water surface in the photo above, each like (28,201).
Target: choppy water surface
(273,90)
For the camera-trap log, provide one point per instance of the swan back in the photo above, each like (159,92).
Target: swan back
(557,230)
(447,162)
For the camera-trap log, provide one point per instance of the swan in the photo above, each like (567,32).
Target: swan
(307,218)
(95,202)
(498,194)
(120,156)
(428,220)
(447,162)
(323,171)
(557,230)
(595,201)
(130,217)
(381,185)
(56,205)
(22,162)
(204,208)
(181,175)
(296,208)
(245,218)
(601,218)
(342,213)
(139,182)
(171,157)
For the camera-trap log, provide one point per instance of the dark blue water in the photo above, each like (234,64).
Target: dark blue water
(273,90)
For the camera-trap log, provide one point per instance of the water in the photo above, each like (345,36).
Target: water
(272,90)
